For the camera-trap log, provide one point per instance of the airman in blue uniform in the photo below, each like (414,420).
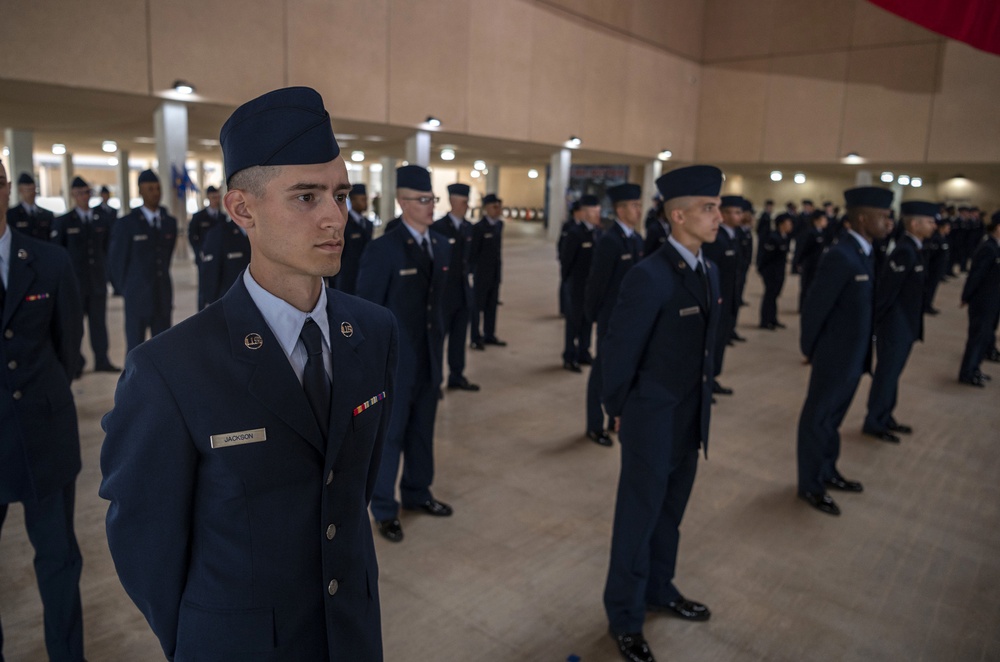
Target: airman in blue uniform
(41,327)
(486,265)
(244,442)
(576,256)
(406,271)
(225,253)
(981,294)
(27,217)
(724,252)
(657,385)
(836,339)
(772,259)
(357,234)
(198,228)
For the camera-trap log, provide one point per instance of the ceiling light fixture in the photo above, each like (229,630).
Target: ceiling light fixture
(916,182)
(887,177)
(183,87)
(776,175)
(904,180)
(664,154)
(800,178)
(109,146)
(532,174)
(357,155)
(58,149)
(474,174)
(447,154)
(433,121)
(574,141)
(479,164)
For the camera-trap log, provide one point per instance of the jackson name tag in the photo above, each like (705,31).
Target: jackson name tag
(587,244)
(238,438)
(72,230)
(408,272)
(693,310)
(627,256)
(233,256)
(730,253)
(356,235)
(861,277)
(140,237)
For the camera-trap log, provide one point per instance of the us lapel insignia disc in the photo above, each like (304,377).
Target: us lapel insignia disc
(346,329)
(253,341)
(23,254)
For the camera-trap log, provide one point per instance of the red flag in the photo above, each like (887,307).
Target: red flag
(976,22)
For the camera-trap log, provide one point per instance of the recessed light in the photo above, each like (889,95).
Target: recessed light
(664,155)
(447,154)
(357,155)
(887,177)
(479,165)
(800,178)
(532,174)
(433,121)
(58,148)
(776,175)
(903,180)
(109,146)
(916,182)
(183,87)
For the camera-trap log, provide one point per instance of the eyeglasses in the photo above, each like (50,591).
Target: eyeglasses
(425,199)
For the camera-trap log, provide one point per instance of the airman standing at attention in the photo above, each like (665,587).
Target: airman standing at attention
(577,252)
(203,221)
(357,234)
(772,260)
(724,253)
(485,263)
(981,294)
(27,217)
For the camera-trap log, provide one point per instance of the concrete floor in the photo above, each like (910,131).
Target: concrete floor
(909,572)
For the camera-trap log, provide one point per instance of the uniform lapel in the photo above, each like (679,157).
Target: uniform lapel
(692,281)
(346,337)
(20,276)
(272,380)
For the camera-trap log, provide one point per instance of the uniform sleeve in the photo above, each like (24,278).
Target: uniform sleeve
(374,273)
(831,277)
(601,269)
(58,234)
(118,254)
(383,429)
(210,263)
(67,325)
(977,273)
(889,282)
(149,465)
(568,247)
(629,331)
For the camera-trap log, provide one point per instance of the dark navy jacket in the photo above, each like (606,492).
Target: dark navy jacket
(772,257)
(38,227)
(899,293)
(394,274)
(225,253)
(658,355)
(837,312)
(139,261)
(576,256)
(260,550)
(457,292)
(656,236)
(356,237)
(982,286)
(485,257)
(87,245)
(724,252)
(198,228)
(614,255)
(42,326)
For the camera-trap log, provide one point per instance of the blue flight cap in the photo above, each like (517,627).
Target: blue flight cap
(25,178)
(359,189)
(868,196)
(919,208)
(461,190)
(211,189)
(732,201)
(490,198)
(590,201)
(698,180)
(994,222)
(625,192)
(289,126)
(575,206)
(105,189)
(79,183)
(147,176)
(414,177)
(747,205)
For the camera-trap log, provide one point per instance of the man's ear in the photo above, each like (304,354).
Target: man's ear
(237,203)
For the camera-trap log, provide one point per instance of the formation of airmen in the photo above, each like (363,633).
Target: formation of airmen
(338,339)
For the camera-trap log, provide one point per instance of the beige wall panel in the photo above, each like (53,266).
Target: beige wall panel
(341,49)
(661,103)
(603,91)
(229,54)
(803,111)
(874,26)
(677,25)
(519,190)
(615,13)
(966,120)
(817,188)
(53,41)
(731,114)
(738,28)
(500,57)
(902,68)
(428,62)
(557,75)
(885,125)
(807,26)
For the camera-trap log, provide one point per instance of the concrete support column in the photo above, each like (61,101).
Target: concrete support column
(863,178)
(418,149)
(651,173)
(493,179)
(21,145)
(555,195)
(67,179)
(170,128)
(124,191)
(387,204)
(200,180)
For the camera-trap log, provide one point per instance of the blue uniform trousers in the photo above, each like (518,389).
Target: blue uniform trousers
(456,325)
(892,351)
(831,388)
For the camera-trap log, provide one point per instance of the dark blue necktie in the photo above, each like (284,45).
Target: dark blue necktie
(314,379)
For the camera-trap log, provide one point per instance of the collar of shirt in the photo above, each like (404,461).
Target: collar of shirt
(213,212)
(664,224)
(455,220)
(626,229)
(692,260)
(150,215)
(84,214)
(587,225)
(28,208)
(5,240)
(285,322)
(866,246)
(354,216)
(492,221)
(417,236)
(729,231)
(919,243)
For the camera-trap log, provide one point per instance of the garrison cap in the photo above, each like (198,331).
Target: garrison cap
(105,189)
(919,208)
(461,190)
(747,205)
(25,178)
(490,198)
(575,206)
(807,202)
(624,192)
(994,222)
(590,201)
(147,176)
(289,126)
(699,180)
(782,217)
(732,201)
(414,177)
(868,196)
(79,183)
(211,189)
(359,189)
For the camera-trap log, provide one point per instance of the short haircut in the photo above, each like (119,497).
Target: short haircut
(669,206)
(253,180)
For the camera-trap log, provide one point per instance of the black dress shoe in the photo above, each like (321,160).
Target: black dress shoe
(633,647)
(390,529)
(106,367)
(838,482)
(768,327)
(900,428)
(586,359)
(572,366)
(689,610)
(601,438)
(932,312)
(821,502)
(974,381)
(462,384)
(433,507)
(477,345)
(495,341)
(737,337)
(993,355)
(982,376)
(884,435)
(780,325)
(719,389)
